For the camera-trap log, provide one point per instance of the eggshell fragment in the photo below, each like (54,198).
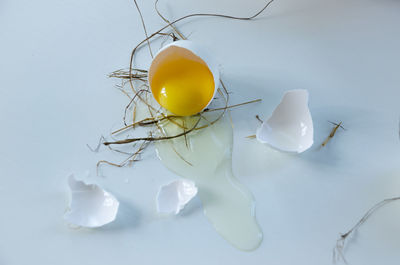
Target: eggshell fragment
(290,127)
(90,205)
(171,198)
(198,51)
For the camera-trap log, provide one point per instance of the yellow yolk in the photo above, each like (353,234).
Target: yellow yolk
(181,82)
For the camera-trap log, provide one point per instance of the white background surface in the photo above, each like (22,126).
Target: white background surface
(55,98)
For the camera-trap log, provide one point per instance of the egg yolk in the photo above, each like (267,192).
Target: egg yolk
(181,82)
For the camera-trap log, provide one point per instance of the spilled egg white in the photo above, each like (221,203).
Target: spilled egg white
(199,53)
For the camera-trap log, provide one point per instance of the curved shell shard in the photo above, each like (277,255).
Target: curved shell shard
(173,197)
(90,205)
(290,127)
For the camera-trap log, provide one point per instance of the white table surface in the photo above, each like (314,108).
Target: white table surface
(55,98)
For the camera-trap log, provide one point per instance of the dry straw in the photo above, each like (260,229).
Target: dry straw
(140,94)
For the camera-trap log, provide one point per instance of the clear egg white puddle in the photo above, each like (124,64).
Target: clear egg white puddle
(227,204)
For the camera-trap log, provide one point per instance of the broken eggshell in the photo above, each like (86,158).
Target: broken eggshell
(171,198)
(290,127)
(197,53)
(90,205)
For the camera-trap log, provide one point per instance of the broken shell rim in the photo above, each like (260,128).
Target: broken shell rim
(203,53)
(302,95)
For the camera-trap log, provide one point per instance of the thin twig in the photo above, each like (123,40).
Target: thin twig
(144,27)
(131,101)
(234,106)
(153,139)
(151,121)
(333,132)
(119,87)
(338,251)
(131,158)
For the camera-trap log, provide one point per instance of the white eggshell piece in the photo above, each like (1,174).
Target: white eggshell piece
(171,198)
(199,51)
(290,127)
(90,205)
